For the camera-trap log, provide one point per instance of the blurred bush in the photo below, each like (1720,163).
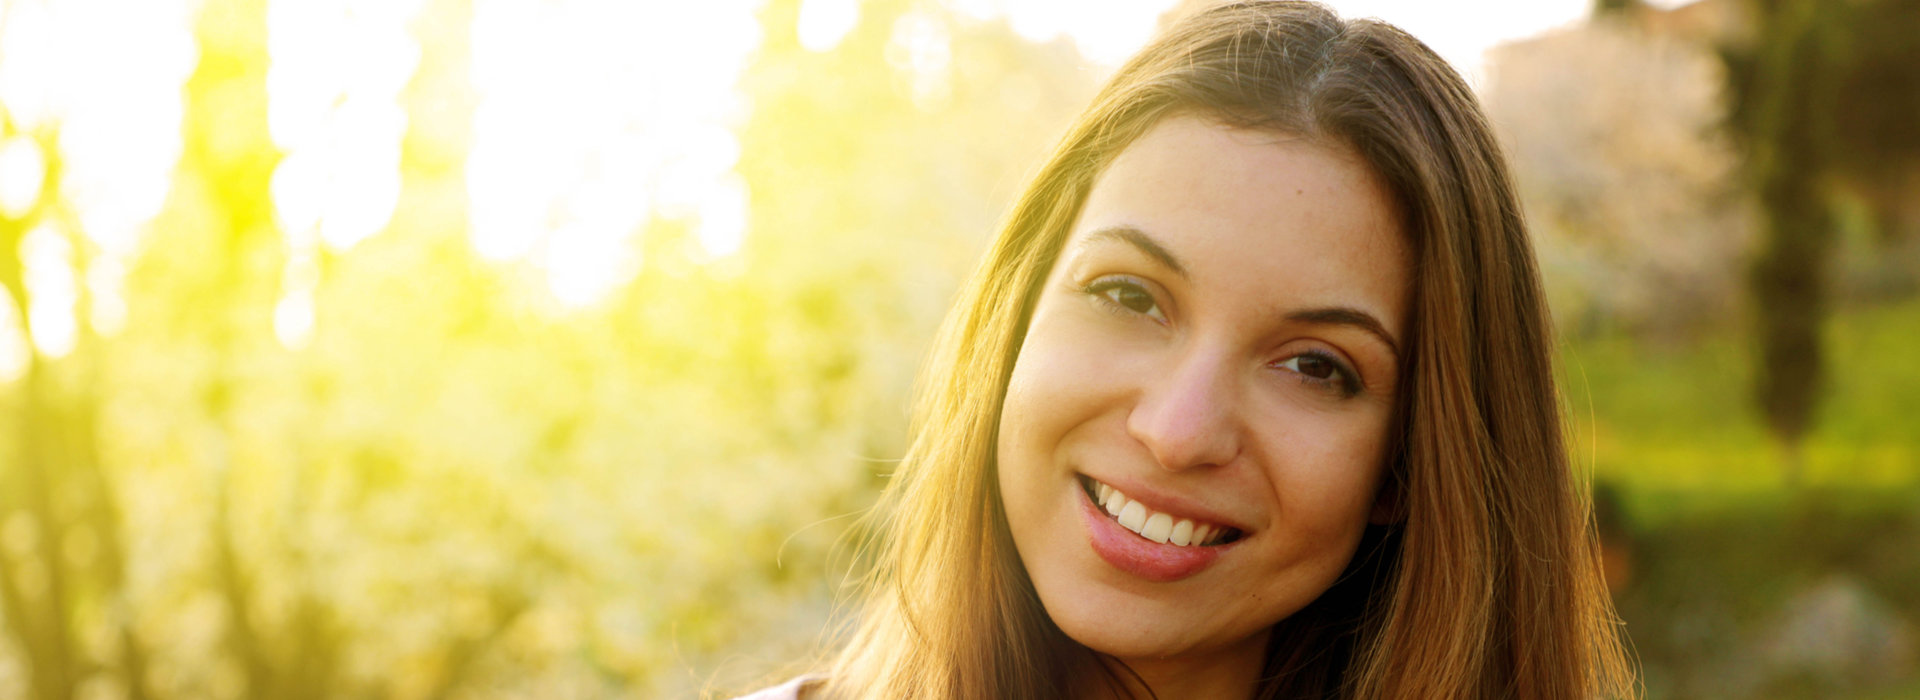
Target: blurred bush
(399,468)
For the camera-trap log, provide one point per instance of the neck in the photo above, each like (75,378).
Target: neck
(1226,673)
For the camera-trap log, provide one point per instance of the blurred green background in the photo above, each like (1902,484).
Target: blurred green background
(547,348)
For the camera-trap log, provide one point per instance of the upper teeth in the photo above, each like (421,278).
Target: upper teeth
(1158,527)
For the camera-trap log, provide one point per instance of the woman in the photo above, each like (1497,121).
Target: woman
(1252,397)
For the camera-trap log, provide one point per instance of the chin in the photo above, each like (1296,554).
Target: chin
(1129,627)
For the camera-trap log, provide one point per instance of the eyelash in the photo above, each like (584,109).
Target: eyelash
(1101,289)
(1344,381)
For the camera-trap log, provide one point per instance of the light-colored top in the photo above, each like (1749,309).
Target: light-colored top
(790,690)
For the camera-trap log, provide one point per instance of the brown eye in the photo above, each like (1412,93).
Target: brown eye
(1132,298)
(1318,368)
(1126,296)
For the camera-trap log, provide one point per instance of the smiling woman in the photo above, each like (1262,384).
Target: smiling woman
(1251,397)
(1207,376)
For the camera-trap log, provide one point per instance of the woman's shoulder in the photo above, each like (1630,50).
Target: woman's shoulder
(795,689)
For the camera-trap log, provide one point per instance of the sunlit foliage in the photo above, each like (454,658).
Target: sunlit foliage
(453,365)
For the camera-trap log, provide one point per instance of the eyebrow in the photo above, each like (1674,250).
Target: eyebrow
(1138,239)
(1331,315)
(1347,316)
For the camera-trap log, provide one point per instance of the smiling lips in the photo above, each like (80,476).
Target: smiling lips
(1155,546)
(1159,527)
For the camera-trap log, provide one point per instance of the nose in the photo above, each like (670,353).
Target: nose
(1187,417)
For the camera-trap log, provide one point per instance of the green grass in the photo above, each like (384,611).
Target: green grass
(1906,691)
(1709,590)
(1721,543)
(1678,423)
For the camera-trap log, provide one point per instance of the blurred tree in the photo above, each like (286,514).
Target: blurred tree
(878,168)
(1820,94)
(1626,179)
(450,486)
(227,161)
(33,586)
(63,561)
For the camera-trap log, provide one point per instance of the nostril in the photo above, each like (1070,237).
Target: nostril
(1187,419)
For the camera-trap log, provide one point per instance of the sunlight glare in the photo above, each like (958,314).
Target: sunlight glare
(1105,33)
(297,185)
(509,185)
(1110,36)
(706,155)
(583,265)
(1039,21)
(594,117)
(32,35)
(336,113)
(115,99)
(723,218)
(52,294)
(117,166)
(978,10)
(823,23)
(921,49)
(22,168)
(293,314)
(293,319)
(1462,31)
(119,109)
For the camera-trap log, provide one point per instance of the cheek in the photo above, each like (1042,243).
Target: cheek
(1025,413)
(1053,382)
(1017,432)
(1330,474)
(1055,394)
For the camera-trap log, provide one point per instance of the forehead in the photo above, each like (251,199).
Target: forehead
(1258,213)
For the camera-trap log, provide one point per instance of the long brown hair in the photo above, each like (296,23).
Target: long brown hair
(1488,585)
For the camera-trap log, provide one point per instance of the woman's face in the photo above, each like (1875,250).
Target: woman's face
(1216,345)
